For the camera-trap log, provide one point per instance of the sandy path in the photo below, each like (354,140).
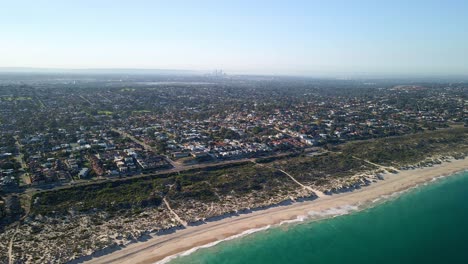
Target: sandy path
(182,222)
(10,247)
(387,168)
(160,247)
(317,192)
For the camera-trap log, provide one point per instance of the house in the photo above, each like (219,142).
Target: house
(180,154)
(5,155)
(199,154)
(84,172)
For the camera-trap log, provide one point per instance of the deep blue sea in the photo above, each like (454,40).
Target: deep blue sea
(428,224)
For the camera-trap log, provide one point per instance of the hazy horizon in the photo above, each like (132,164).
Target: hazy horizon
(298,38)
(195,72)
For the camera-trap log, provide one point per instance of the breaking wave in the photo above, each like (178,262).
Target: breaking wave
(331,212)
(192,250)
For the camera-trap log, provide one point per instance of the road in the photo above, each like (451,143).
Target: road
(20,158)
(86,100)
(146,146)
(180,168)
(59,186)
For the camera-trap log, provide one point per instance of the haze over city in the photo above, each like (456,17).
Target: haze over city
(241,37)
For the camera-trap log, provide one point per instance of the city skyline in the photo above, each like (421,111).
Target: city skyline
(307,38)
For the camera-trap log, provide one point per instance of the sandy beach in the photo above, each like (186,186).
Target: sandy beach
(160,247)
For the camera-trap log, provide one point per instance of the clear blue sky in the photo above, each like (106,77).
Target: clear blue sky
(274,37)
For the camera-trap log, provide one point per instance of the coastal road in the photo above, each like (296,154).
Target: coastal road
(59,186)
(179,169)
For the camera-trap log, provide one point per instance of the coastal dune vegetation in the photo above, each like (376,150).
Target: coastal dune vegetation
(410,149)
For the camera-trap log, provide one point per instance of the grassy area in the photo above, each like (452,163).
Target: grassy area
(110,196)
(141,111)
(102,112)
(19,98)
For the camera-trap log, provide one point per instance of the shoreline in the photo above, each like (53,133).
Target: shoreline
(162,249)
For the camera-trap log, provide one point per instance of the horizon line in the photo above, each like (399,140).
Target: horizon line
(175,71)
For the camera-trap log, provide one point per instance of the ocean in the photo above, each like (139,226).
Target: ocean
(428,224)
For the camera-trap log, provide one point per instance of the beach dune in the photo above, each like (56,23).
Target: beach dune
(161,248)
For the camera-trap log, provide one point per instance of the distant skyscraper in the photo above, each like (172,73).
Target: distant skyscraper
(218,73)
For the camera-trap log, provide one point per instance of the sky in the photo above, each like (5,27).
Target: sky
(294,37)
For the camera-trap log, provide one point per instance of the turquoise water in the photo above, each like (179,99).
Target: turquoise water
(426,225)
